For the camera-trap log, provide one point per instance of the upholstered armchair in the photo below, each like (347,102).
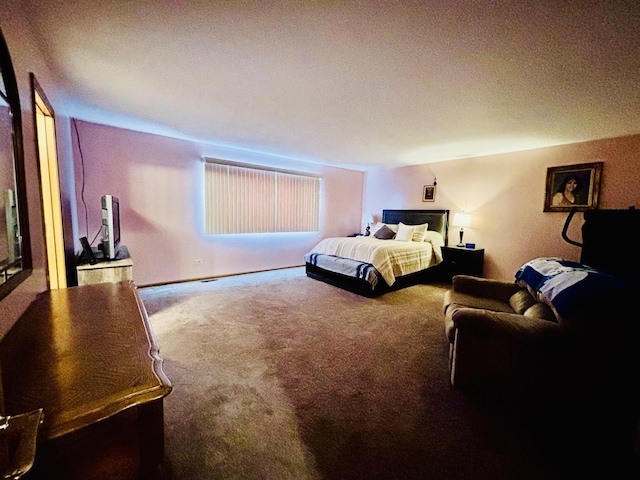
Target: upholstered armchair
(501,339)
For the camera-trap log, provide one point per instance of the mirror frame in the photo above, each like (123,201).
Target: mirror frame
(13,97)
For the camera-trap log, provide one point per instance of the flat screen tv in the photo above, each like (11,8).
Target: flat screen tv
(110,226)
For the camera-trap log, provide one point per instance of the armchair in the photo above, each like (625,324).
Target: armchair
(562,342)
(501,339)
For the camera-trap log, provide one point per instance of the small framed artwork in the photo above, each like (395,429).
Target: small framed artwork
(573,186)
(429,193)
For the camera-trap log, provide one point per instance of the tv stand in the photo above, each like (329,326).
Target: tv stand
(106,271)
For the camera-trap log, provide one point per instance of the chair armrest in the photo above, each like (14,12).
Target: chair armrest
(486,323)
(484,287)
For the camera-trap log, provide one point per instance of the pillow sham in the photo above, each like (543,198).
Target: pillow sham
(405,232)
(384,233)
(419,232)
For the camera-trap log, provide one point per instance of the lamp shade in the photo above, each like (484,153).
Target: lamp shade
(461,219)
(367,218)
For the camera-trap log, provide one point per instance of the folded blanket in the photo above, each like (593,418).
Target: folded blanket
(345,266)
(567,286)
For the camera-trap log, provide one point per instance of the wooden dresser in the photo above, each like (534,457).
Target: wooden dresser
(87,356)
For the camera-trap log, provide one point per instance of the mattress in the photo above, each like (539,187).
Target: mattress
(390,258)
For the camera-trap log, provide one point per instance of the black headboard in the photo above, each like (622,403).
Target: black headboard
(438,220)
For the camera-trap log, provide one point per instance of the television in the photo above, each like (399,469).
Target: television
(110,226)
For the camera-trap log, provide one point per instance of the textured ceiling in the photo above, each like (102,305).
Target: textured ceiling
(361,83)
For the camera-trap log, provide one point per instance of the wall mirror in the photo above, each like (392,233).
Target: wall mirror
(15,258)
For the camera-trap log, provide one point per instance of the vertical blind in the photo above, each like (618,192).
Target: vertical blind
(242,199)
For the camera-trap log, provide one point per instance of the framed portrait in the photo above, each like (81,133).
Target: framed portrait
(573,186)
(429,193)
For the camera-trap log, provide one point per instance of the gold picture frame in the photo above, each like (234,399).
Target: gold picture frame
(573,186)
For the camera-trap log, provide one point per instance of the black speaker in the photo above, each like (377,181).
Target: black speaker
(87,252)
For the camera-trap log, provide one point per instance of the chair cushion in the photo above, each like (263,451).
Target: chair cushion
(521,301)
(542,311)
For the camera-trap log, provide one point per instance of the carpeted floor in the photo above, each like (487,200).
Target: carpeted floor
(279,376)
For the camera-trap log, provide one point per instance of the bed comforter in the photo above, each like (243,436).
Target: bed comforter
(391,258)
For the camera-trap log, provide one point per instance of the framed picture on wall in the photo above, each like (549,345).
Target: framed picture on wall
(429,193)
(572,186)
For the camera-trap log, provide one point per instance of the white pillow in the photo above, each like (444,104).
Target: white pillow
(405,233)
(419,232)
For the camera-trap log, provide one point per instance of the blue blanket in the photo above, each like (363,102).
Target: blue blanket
(568,286)
(345,266)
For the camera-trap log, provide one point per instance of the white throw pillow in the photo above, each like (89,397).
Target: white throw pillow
(405,232)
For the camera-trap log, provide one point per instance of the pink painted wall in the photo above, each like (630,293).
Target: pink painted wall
(505,195)
(159,182)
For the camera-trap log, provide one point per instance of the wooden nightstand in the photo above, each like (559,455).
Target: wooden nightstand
(462,261)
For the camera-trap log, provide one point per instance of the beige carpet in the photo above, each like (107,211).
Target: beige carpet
(279,376)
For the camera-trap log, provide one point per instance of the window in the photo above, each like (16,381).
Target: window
(246,199)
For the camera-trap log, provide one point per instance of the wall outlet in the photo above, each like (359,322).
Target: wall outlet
(198,261)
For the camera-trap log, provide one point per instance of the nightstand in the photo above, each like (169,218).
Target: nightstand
(462,261)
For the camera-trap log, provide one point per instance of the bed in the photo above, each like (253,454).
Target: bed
(371,266)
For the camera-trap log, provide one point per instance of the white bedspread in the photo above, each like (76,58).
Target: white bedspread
(390,257)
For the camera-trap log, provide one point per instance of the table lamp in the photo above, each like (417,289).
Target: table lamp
(367,219)
(462,220)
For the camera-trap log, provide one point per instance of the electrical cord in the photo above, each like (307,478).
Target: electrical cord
(86,210)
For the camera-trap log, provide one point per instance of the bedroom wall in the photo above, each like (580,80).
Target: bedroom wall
(505,195)
(159,182)
(504,192)
(27,57)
